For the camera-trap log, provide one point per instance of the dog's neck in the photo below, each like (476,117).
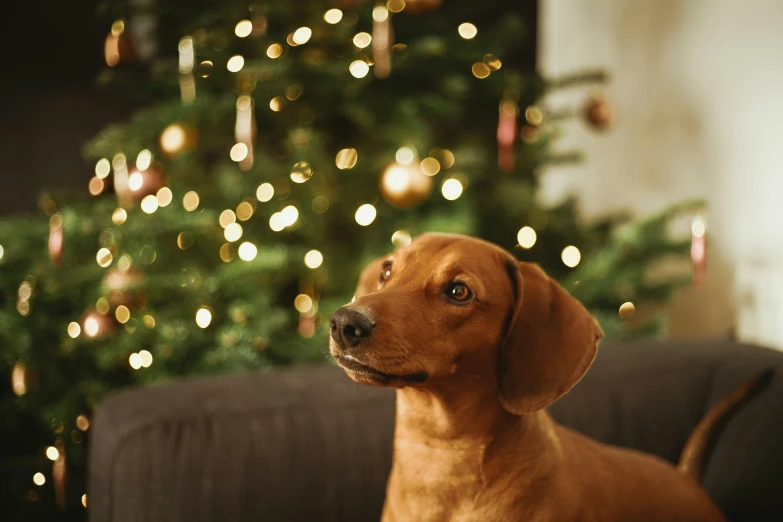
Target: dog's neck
(453,440)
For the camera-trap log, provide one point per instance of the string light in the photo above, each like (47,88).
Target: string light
(95,186)
(289,215)
(362,40)
(359,69)
(493,62)
(122,313)
(238,152)
(146,358)
(227,217)
(104,257)
(333,16)
(480,70)
(276,103)
(247,251)
(52,453)
(526,237)
(233,232)
(84,500)
(571,256)
(235,63)
(274,51)
(302,35)
(467,30)
(135,361)
(203,317)
(135,181)
(164,197)
(346,159)
(276,222)
(627,310)
(172,139)
(265,192)
(143,160)
(190,201)
(698,227)
(74,330)
(91,326)
(149,204)
(313,259)
(395,6)
(405,155)
(303,303)
(430,166)
(451,189)
(365,214)
(39,479)
(401,238)
(102,168)
(244,211)
(380,13)
(82,422)
(301,172)
(243,28)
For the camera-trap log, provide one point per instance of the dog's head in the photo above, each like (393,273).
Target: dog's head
(448,306)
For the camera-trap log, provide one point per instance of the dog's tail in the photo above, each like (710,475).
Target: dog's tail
(700,443)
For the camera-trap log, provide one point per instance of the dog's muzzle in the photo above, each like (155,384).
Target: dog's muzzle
(349,327)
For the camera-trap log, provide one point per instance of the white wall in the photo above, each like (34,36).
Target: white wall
(698,86)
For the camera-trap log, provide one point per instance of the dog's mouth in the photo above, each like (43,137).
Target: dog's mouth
(369,373)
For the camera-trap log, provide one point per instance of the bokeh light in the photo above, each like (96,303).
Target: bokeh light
(203,317)
(227,217)
(146,358)
(265,192)
(359,68)
(143,160)
(233,232)
(52,453)
(627,310)
(135,361)
(289,214)
(333,16)
(467,30)
(346,159)
(303,303)
(301,172)
(149,204)
(313,259)
(238,152)
(405,155)
(302,35)
(451,189)
(247,251)
(243,28)
(74,329)
(190,201)
(104,257)
(235,63)
(276,222)
(164,197)
(102,168)
(39,479)
(526,237)
(401,238)
(430,166)
(365,214)
(571,256)
(274,50)
(362,40)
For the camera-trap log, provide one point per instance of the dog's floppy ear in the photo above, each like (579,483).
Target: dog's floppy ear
(550,342)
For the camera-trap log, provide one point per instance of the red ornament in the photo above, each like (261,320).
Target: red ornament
(507,134)
(56,240)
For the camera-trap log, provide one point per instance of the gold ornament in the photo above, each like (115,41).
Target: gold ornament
(177,138)
(405,186)
(422,6)
(599,113)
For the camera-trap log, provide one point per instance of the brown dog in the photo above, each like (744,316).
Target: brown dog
(478,344)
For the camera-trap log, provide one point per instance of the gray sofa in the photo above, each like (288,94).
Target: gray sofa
(307,444)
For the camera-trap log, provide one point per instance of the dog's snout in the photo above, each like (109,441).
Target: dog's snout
(350,327)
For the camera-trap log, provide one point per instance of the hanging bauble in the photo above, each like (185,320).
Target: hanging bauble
(118,47)
(123,287)
(56,239)
(422,6)
(177,138)
(405,186)
(599,113)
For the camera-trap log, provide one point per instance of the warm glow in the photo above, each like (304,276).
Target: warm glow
(493,62)
(467,30)
(395,6)
(396,179)
(238,152)
(274,51)
(84,500)
(164,197)
(276,222)
(104,257)
(401,239)
(235,63)
(102,168)
(430,166)
(74,330)
(247,251)
(526,237)
(301,172)
(451,189)
(203,317)
(346,159)
(276,103)
(627,310)
(146,358)
(82,422)
(289,215)
(119,162)
(149,204)
(365,214)
(359,69)
(303,303)
(480,70)
(380,13)
(190,201)
(135,361)
(302,35)
(39,479)
(405,155)
(333,16)
(91,326)
(571,256)
(698,227)
(244,211)
(122,314)
(95,186)
(227,217)
(265,192)
(362,40)
(52,453)
(172,139)
(2,251)
(233,232)
(143,160)
(135,181)
(243,28)
(313,259)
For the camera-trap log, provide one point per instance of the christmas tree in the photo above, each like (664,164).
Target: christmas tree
(282,147)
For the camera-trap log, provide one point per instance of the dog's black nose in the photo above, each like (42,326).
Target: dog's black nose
(350,327)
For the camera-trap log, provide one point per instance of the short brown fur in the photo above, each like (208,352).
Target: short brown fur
(473,441)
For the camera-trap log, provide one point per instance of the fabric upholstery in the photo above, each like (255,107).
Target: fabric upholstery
(307,444)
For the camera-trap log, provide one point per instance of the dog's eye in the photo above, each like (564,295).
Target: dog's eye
(386,272)
(459,292)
